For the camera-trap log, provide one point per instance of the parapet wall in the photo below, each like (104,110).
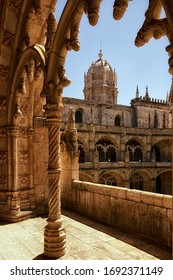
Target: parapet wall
(143,213)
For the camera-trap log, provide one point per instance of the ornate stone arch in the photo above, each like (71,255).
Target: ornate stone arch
(162,151)
(20,130)
(36,53)
(164,182)
(109,138)
(135,149)
(140,179)
(115,178)
(106,149)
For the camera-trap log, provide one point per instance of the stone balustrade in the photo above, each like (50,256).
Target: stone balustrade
(142,213)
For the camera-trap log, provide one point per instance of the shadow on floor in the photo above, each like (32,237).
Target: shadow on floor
(145,245)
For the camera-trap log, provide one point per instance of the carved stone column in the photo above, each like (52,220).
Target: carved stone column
(13,194)
(30,132)
(54,234)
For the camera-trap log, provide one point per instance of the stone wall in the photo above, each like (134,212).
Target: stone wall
(143,213)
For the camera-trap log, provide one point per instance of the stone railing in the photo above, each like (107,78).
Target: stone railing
(120,164)
(142,213)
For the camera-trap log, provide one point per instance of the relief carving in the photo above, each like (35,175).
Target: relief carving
(4,72)
(3,103)
(3,132)
(23,157)
(23,181)
(50,34)
(3,182)
(3,158)
(15,5)
(69,136)
(34,12)
(30,69)
(23,132)
(8,39)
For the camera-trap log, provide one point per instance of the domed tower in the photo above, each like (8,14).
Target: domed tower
(100,82)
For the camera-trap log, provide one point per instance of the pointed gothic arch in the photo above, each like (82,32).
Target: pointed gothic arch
(36,53)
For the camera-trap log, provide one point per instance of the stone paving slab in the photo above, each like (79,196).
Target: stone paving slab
(86,240)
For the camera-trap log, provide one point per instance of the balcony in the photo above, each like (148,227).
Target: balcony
(86,240)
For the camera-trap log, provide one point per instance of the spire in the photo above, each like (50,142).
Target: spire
(147,94)
(170,99)
(146,97)
(137,92)
(167,97)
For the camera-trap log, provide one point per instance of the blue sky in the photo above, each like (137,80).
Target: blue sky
(142,66)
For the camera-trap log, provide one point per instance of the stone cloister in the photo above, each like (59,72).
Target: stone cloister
(33,50)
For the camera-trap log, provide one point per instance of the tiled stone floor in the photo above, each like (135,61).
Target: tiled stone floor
(86,240)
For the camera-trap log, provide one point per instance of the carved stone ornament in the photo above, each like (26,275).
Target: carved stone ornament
(91,9)
(70,124)
(7,39)
(3,103)
(73,41)
(119,8)
(53,94)
(15,5)
(23,157)
(3,158)
(34,11)
(3,182)
(23,181)
(4,72)
(169,49)
(50,34)
(153,26)
(3,132)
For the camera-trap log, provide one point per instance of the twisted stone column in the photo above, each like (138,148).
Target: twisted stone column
(54,234)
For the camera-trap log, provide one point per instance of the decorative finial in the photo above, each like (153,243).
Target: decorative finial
(137,92)
(171,92)
(147,94)
(100,54)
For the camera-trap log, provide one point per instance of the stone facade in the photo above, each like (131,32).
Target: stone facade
(128,146)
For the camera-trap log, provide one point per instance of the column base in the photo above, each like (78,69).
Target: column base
(54,239)
(15,218)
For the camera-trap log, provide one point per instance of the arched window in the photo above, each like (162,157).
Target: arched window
(117,121)
(108,179)
(81,154)
(106,150)
(135,150)
(78,117)
(136,182)
(156,150)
